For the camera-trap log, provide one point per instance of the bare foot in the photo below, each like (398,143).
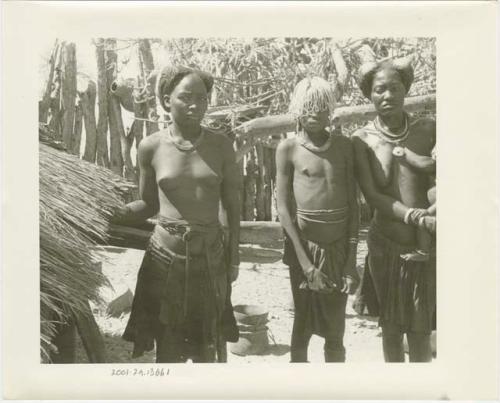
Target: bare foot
(415,256)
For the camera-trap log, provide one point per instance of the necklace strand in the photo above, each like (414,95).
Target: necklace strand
(311,147)
(186,147)
(390,137)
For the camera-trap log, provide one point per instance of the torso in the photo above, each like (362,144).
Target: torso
(395,178)
(320,183)
(189,181)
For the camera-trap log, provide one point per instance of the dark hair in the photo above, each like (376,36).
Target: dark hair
(170,76)
(367,72)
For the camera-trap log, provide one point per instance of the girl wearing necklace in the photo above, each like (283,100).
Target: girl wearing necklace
(182,299)
(392,158)
(318,210)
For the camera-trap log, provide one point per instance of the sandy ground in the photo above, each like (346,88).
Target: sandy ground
(263,281)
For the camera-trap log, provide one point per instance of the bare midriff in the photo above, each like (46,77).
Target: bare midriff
(321,194)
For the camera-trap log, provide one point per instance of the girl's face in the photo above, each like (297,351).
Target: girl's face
(315,122)
(188,102)
(388,92)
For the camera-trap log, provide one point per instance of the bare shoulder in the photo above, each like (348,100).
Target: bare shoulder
(149,144)
(359,138)
(286,146)
(424,127)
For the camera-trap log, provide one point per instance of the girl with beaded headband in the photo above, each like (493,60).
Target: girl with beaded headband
(182,300)
(318,210)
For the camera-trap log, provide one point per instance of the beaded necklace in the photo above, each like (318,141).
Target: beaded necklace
(389,136)
(186,146)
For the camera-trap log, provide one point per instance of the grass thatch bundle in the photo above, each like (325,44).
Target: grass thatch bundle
(77,199)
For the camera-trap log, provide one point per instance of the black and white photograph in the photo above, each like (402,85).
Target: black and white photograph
(238,200)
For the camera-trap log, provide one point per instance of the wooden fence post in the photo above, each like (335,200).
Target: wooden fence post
(102,102)
(77,129)
(88,107)
(148,64)
(118,140)
(55,96)
(45,103)
(68,92)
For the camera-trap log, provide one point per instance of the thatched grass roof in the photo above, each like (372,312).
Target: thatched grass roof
(77,199)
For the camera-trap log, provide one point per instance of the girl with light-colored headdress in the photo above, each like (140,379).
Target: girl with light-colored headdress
(314,170)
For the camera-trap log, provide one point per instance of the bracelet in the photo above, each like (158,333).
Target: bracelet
(421,221)
(353,241)
(407,215)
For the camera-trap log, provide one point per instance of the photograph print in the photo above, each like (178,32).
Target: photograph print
(237,200)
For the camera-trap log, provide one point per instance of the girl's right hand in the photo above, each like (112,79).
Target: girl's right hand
(318,281)
(119,214)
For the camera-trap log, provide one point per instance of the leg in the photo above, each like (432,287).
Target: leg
(334,348)
(334,342)
(300,334)
(300,341)
(392,341)
(420,347)
(170,345)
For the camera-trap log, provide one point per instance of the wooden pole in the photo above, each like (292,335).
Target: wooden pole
(116,130)
(249,181)
(55,96)
(277,124)
(148,63)
(88,106)
(45,103)
(340,68)
(68,92)
(137,129)
(77,129)
(269,179)
(102,102)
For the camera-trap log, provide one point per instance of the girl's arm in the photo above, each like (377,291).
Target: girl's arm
(383,203)
(353,228)
(284,178)
(230,201)
(148,205)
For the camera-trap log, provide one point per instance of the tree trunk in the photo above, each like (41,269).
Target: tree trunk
(77,130)
(68,92)
(45,103)
(88,106)
(148,66)
(102,96)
